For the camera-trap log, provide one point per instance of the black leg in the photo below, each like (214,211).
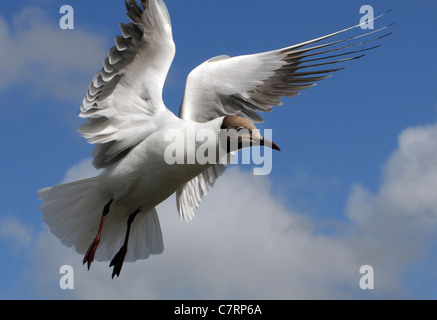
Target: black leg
(89,256)
(117,261)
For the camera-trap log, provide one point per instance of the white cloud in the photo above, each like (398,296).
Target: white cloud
(410,181)
(82,170)
(39,56)
(397,223)
(13,231)
(409,186)
(246,244)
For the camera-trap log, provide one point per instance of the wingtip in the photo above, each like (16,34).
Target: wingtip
(383,14)
(359,56)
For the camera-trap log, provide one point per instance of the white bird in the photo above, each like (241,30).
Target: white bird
(113,216)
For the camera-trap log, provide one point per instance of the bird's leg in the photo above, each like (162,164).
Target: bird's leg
(117,261)
(89,256)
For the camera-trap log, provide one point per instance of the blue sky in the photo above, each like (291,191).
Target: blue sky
(355,181)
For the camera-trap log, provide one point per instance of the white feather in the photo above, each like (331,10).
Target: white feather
(125,96)
(73,212)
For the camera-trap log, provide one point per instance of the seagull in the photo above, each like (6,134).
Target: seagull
(112,217)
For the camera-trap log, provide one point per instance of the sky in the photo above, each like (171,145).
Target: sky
(355,182)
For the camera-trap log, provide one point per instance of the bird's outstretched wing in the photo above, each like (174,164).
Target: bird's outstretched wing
(246,85)
(127,92)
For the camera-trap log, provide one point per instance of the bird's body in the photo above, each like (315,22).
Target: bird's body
(129,180)
(132,130)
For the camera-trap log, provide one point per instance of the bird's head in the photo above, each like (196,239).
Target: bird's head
(239,132)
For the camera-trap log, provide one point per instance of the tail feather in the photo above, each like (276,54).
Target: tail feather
(153,232)
(145,237)
(73,212)
(61,202)
(73,188)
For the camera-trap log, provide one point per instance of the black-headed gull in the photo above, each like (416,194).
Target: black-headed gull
(128,122)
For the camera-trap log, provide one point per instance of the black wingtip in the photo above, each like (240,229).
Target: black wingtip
(383,14)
